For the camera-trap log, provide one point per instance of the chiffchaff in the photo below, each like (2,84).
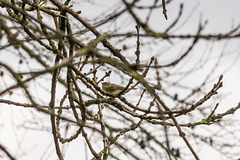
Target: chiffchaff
(112,88)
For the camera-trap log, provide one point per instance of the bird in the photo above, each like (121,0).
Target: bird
(112,88)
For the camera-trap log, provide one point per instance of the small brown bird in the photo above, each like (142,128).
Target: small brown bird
(112,88)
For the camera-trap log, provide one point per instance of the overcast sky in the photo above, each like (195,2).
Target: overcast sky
(222,15)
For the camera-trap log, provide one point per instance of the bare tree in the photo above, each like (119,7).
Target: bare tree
(58,59)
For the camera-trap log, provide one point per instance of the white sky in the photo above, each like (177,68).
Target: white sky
(221,15)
